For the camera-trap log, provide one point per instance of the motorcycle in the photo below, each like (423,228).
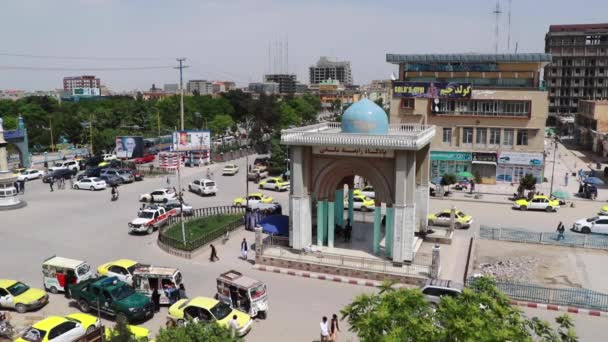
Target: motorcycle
(6,329)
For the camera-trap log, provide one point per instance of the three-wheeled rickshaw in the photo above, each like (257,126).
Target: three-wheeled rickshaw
(243,293)
(165,279)
(55,271)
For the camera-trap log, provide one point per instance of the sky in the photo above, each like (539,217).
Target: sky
(132,44)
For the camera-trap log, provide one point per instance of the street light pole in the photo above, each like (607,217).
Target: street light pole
(91,131)
(553,168)
(51,128)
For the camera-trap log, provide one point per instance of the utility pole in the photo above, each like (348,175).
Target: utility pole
(51,128)
(553,168)
(181,68)
(91,131)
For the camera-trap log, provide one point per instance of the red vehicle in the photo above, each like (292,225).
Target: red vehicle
(148,158)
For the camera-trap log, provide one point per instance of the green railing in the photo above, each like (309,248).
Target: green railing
(212,235)
(544,238)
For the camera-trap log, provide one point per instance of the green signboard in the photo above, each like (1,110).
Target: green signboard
(457,156)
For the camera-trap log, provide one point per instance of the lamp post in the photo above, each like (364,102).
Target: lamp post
(51,131)
(198,115)
(553,168)
(91,131)
(158,122)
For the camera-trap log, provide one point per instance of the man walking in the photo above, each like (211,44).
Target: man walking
(560,231)
(566,179)
(244,249)
(22,186)
(234,325)
(213,254)
(324,330)
(51,182)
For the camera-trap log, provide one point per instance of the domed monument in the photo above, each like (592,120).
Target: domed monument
(365,117)
(8,192)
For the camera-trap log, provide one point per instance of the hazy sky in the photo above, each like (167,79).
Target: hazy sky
(228,39)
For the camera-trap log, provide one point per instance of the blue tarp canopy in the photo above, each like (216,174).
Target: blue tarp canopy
(275,225)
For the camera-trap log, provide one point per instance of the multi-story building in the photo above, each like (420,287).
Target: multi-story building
(223,86)
(202,87)
(591,124)
(326,69)
(287,82)
(579,69)
(267,88)
(489,111)
(76,82)
(171,88)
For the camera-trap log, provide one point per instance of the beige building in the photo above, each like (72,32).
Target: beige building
(591,126)
(489,111)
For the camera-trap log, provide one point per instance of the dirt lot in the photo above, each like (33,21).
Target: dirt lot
(550,266)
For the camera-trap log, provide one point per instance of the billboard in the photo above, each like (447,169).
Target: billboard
(521,158)
(85,92)
(191,140)
(129,147)
(433,90)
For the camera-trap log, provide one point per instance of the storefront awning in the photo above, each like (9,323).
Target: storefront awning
(483,162)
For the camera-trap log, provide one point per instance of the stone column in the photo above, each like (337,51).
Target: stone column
(258,241)
(377,229)
(405,207)
(422,186)
(300,234)
(339,205)
(351,208)
(435,262)
(390,226)
(331,211)
(321,221)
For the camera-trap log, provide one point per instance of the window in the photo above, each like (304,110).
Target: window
(494,136)
(467,136)
(522,137)
(482,136)
(508,138)
(447,136)
(407,103)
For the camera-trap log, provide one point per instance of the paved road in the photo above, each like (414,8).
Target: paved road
(86,225)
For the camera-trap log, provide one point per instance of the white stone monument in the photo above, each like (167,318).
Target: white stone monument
(8,192)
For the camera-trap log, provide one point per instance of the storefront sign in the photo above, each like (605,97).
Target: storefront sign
(484,157)
(456,156)
(353,152)
(433,90)
(520,158)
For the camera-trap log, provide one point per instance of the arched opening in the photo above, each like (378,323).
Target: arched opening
(15,156)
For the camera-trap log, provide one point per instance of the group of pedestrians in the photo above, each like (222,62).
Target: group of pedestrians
(20,186)
(171,292)
(60,182)
(244,251)
(329,329)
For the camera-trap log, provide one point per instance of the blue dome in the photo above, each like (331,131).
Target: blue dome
(365,117)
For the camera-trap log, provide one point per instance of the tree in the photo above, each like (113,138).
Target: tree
(278,154)
(481,313)
(527,182)
(220,123)
(121,332)
(448,179)
(197,332)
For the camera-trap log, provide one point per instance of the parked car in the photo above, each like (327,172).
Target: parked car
(361,203)
(29,174)
(367,191)
(596,224)
(137,175)
(109,157)
(16,295)
(538,202)
(230,169)
(90,172)
(174,204)
(253,198)
(434,289)
(275,183)
(121,269)
(71,165)
(148,158)
(257,173)
(261,162)
(124,175)
(208,310)
(55,328)
(442,218)
(160,195)
(63,173)
(203,187)
(92,183)
(111,180)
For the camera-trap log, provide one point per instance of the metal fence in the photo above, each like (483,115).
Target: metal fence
(544,238)
(575,297)
(191,245)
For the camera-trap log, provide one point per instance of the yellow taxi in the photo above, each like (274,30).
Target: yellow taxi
(538,202)
(208,310)
(56,328)
(254,198)
(360,202)
(274,183)
(141,334)
(604,210)
(442,218)
(121,268)
(16,295)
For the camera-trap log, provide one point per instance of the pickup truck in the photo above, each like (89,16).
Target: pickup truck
(253,174)
(113,297)
(150,218)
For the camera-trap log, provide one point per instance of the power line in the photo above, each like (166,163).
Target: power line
(9,54)
(17,67)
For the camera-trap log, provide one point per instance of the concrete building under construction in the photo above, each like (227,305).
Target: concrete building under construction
(326,69)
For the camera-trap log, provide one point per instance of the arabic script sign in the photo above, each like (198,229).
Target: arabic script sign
(353,152)
(433,90)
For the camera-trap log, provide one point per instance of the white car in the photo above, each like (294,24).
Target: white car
(66,165)
(368,191)
(90,183)
(597,224)
(230,169)
(30,174)
(160,195)
(203,187)
(109,157)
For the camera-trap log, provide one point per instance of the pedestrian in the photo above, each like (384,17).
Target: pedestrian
(22,186)
(347,230)
(335,328)
(71,180)
(182,291)
(560,231)
(566,179)
(16,185)
(472,186)
(257,178)
(51,182)
(324,330)
(156,299)
(234,325)
(208,176)
(244,249)
(168,181)
(213,253)
(70,278)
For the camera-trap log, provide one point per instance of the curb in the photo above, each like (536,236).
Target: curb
(328,277)
(568,309)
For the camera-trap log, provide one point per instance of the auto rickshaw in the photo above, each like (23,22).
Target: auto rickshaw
(243,293)
(165,279)
(56,269)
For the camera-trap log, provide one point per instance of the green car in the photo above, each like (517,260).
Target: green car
(113,297)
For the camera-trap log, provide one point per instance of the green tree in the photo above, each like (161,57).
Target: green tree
(220,123)
(197,332)
(448,179)
(481,313)
(278,154)
(289,116)
(527,182)
(121,332)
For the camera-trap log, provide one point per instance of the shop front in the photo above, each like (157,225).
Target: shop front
(443,162)
(512,166)
(484,165)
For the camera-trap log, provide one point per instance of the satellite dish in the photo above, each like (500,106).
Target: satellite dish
(393,77)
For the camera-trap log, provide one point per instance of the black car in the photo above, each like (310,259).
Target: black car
(94,161)
(111,180)
(63,173)
(90,172)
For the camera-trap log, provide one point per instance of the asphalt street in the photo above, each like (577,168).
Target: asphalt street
(87,225)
